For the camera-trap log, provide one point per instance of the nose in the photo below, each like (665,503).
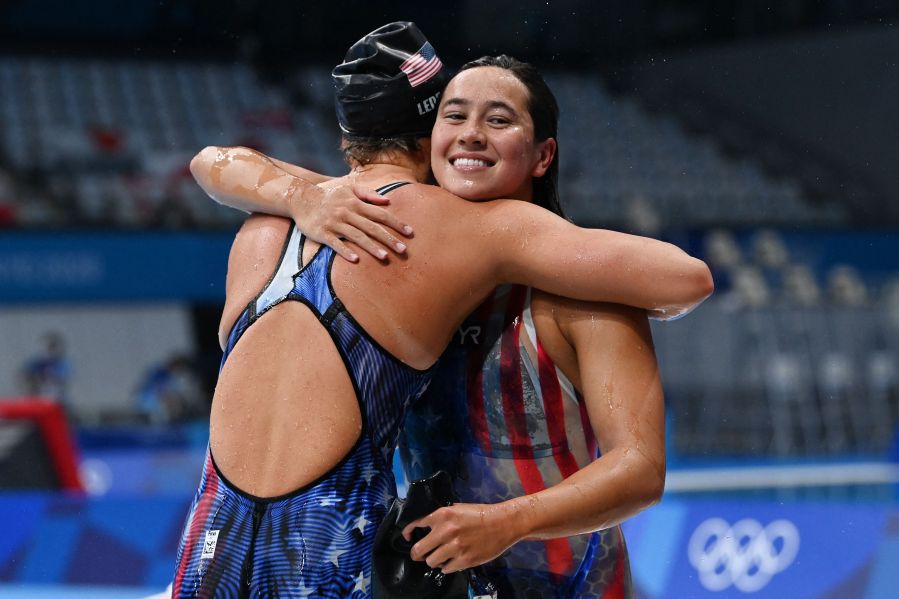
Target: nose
(472,135)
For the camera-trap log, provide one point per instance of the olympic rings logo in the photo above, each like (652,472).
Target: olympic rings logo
(745,555)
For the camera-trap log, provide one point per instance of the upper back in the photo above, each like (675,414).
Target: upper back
(409,304)
(412,304)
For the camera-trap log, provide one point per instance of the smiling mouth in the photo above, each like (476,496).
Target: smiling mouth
(470,163)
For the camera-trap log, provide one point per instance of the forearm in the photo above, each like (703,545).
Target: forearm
(299,171)
(247,180)
(610,490)
(657,276)
(541,250)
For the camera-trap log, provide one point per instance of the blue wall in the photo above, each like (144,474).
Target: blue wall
(63,267)
(66,267)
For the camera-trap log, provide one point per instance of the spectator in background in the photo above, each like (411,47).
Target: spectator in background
(48,373)
(170,391)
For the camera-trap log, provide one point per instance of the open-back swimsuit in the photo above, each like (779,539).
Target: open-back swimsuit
(315,541)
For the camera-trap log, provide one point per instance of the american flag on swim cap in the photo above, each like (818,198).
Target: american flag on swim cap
(422,65)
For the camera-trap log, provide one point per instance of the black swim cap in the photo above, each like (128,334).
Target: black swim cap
(389,84)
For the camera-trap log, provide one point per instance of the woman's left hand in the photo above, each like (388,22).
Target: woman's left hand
(463,535)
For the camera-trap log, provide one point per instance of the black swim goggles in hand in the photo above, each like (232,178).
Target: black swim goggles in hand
(395,575)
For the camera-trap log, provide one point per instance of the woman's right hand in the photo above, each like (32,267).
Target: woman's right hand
(336,215)
(246,179)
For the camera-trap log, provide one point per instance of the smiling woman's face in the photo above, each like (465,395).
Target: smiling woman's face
(482,145)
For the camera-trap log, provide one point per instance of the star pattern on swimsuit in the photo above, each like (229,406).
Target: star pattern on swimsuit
(334,556)
(386,497)
(329,501)
(369,473)
(361,523)
(362,583)
(307,591)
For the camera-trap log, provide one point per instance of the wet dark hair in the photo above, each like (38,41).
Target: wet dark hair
(544,111)
(363,151)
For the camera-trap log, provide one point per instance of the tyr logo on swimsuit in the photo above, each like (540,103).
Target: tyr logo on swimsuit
(474,331)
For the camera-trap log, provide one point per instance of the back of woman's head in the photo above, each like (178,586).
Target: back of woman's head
(544,111)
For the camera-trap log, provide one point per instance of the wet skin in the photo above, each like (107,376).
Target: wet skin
(482,144)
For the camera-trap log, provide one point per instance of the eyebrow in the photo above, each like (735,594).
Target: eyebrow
(491,104)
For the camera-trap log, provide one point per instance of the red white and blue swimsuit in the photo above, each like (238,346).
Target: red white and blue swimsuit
(504,421)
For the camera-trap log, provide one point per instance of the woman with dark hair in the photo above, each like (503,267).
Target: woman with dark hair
(529,389)
(531,383)
(544,111)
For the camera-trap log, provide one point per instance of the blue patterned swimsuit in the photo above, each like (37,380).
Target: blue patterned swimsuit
(315,541)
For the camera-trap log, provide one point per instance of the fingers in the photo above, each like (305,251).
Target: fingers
(424,547)
(440,557)
(342,249)
(368,225)
(364,242)
(407,532)
(455,564)
(369,195)
(435,549)
(377,232)
(387,218)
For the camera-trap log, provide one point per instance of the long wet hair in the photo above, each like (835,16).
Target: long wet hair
(544,111)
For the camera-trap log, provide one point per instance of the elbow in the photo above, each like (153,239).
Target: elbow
(650,488)
(703,283)
(654,487)
(687,283)
(648,482)
(698,286)
(201,164)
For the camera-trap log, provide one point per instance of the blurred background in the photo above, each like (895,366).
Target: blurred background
(762,137)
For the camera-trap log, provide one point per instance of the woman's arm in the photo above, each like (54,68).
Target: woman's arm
(530,245)
(620,382)
(248,180)
(540,249)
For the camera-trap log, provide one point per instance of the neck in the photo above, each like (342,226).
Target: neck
(384,170)
(396,165)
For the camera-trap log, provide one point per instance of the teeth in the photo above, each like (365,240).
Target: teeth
(470,162)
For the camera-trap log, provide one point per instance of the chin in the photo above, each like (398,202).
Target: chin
(468,190)
(472,194)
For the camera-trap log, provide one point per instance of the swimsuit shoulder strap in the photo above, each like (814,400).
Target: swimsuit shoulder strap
(385,189)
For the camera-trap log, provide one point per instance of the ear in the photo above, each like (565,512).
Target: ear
(546,153)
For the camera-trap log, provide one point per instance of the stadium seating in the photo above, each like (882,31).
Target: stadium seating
(774,364)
